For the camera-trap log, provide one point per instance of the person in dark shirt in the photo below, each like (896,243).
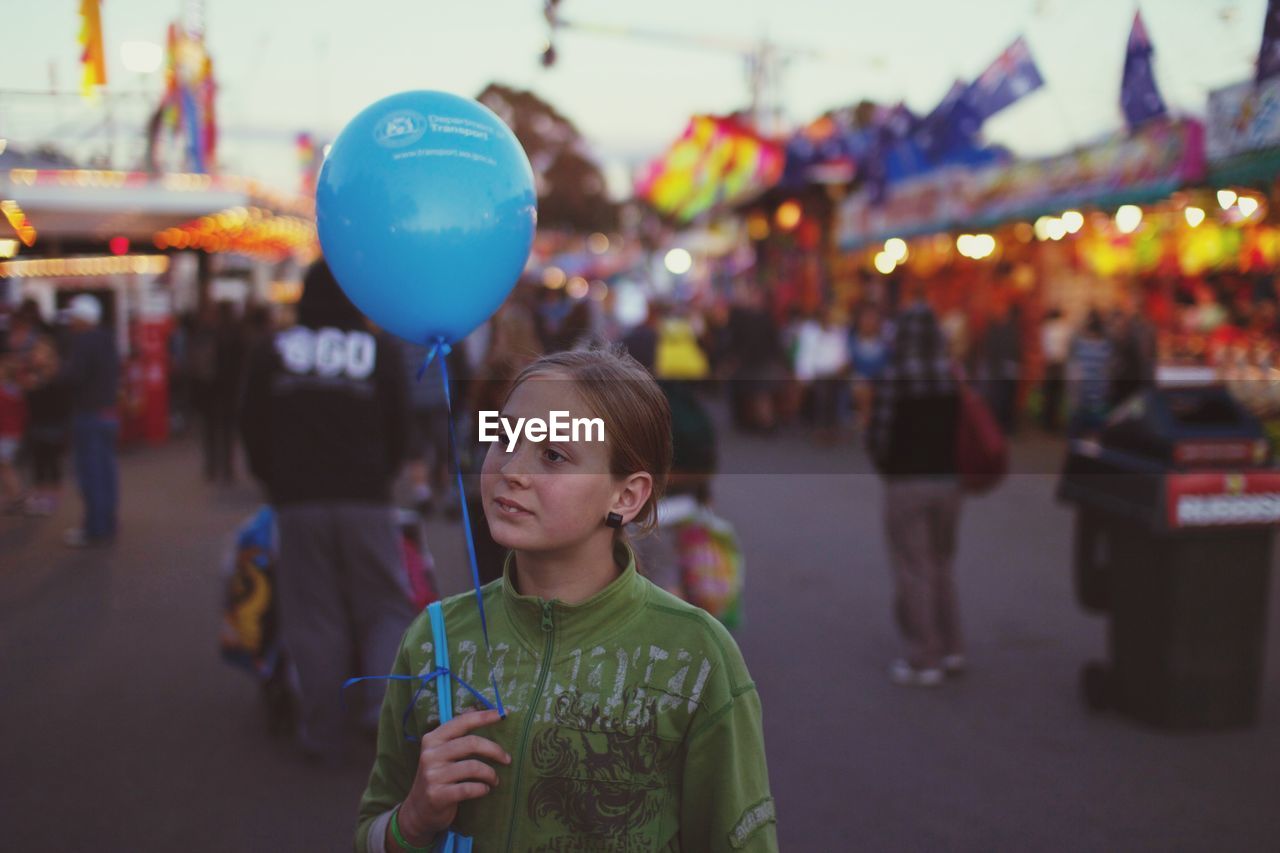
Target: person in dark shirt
(324,424)
(48,424)
(754,353)
(642,341)
(93,374)
(223,395)
(911,439)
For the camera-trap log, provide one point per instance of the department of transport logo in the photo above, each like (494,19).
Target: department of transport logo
(401,128)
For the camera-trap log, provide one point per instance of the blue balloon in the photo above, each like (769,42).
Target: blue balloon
(426,211)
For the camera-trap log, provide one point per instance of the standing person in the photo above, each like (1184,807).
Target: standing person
(93,373)
(1090,364)
(323,424)
(869,354)
(1134,342)
(589,756)
(641,342)
(1001,363)
(912,441)
(754,354)
(223,395)
(822,361)
(49,410)
(13,418)
(202,371)
(1055,344)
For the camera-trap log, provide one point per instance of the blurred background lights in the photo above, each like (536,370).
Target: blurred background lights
(1073,220)
(884,264)
(598,243)
(1128,218)
(788,215)
(678,261)
(1226,198)
(553,277)
(1043,228)
(577,287)
(976,246)
(1248,205)
(1194,215)
(896,248)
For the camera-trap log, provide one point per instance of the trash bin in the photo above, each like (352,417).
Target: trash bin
(1176,504)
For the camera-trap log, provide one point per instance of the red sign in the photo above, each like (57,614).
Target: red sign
(1220,452)
(1223,499)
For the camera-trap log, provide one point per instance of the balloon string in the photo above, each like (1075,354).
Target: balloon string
(441,347)
(423,681)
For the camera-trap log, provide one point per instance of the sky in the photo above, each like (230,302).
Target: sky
(285,66)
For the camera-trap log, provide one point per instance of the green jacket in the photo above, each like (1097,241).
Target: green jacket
(632,724)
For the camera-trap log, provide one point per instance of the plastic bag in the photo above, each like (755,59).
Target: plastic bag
(249,635)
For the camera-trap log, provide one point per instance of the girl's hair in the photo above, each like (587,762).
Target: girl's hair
(636,415)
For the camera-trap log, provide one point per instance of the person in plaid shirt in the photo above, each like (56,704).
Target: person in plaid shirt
(912,441)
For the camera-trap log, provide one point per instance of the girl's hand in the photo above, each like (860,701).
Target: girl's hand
(448,773)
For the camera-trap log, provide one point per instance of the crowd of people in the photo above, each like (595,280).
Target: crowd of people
(341,425)
(58,392)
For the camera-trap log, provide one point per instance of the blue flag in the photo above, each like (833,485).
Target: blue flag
(1139,97)
(1011,76)
(952,126)
(1269,53)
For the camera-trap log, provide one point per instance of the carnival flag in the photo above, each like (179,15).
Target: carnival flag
(1139,97)
(950,127)
(91,56)
(1269,53)
(1011,76)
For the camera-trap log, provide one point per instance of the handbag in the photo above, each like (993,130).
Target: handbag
(982,451)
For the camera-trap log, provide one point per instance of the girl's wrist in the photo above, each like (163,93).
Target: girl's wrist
(410,833)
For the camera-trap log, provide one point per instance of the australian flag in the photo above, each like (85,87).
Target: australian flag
(1139,97)
(1269,53)
(952,126)
(1011,76)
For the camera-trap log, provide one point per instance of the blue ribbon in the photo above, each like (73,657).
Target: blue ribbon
(423,681)
(441,347)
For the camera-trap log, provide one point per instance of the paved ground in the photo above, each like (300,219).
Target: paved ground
(121,730)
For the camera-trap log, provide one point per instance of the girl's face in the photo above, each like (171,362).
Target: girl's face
(550,495)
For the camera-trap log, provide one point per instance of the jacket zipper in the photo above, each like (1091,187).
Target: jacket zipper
(548,628)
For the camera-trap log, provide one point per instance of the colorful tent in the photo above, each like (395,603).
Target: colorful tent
(716,161)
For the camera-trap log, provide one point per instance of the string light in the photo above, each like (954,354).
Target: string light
(896,248)
(18,221)
(1128,218)
(81,267)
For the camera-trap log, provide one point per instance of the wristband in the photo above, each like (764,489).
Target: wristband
(399,836)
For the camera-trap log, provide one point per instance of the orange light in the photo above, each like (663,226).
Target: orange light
(788,215)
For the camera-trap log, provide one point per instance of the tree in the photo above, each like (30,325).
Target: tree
(571,187)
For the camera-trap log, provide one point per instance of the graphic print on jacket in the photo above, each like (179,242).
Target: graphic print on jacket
(603,761)
(599,776)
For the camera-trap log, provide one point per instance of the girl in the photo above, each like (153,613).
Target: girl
(631,721)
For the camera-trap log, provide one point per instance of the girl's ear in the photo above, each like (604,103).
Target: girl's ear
(631,495)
